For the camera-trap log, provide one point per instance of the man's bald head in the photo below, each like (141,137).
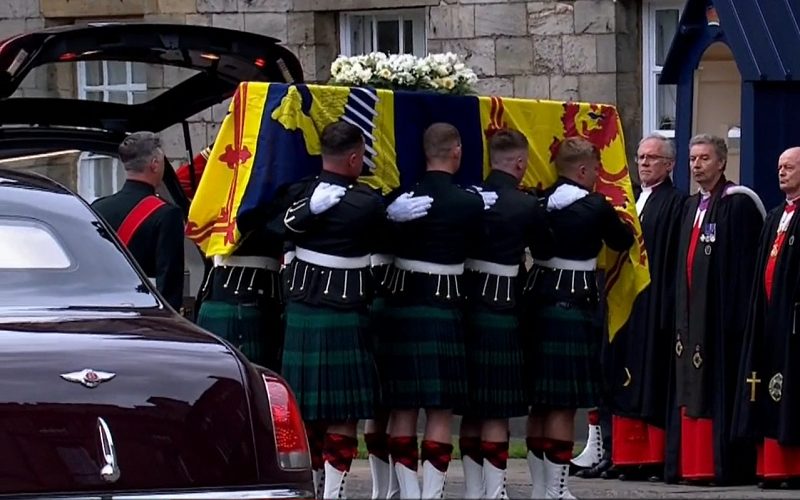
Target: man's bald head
(793,152)
(789,172)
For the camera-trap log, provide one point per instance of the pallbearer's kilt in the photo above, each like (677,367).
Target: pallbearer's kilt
(255,329)
(495,365)
(327,362)
(563,356)
(424,363)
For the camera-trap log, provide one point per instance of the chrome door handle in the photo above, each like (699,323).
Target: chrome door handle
(110,470)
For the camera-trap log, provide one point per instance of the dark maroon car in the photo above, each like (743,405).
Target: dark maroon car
(106,390)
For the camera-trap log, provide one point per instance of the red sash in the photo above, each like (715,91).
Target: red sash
(777,246)
(140,213)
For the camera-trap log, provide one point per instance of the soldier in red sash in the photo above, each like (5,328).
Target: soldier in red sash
(149,226)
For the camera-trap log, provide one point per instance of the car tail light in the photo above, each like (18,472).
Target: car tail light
(291,441)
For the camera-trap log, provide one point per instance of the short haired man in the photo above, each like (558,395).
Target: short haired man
(328,288)
(424,337)
(767,410)
(716,264)
(563,339)
(149,226)
(494,351)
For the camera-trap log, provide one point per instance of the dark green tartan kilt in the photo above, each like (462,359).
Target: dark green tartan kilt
(328,364)
(254,329)
(563,357)
(423,359)
(495,365)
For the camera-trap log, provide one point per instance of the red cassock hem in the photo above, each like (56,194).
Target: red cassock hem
(697,447)
(635,442)
(776,461)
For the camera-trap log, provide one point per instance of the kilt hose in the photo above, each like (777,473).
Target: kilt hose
(563,356)
(328,364)
(256,329)
(495,365)
(423,358)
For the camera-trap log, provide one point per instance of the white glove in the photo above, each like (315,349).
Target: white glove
(408,207)
(325,196)
(489,197)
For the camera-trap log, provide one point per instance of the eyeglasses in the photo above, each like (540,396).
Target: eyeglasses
(651,158)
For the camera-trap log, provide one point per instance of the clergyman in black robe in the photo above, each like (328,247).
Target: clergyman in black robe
(767,410)
(716,264)
(637,361)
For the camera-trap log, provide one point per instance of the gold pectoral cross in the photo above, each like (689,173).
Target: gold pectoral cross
(753,381)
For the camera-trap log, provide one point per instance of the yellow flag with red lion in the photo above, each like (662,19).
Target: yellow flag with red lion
(270,137)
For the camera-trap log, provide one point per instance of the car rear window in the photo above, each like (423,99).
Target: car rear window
(55,253)
(29,244)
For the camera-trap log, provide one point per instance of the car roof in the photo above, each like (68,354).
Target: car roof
(14,179)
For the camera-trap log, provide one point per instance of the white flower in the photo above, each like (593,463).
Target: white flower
(435,71)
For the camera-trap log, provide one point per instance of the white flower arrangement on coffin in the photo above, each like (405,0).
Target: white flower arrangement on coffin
(444,73)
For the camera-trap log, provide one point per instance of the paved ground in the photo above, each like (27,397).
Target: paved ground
(519,486)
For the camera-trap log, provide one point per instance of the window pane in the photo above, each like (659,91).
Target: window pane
(139,97)
(408,36)
(665,105)
(117,72)
(666,27)
(389,37)
(34,247)
(94,72)
(94,95)
(120,96)
(139,72)
(360,35)
(104,175)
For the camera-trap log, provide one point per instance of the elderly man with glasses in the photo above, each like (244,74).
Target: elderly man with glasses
(636,363)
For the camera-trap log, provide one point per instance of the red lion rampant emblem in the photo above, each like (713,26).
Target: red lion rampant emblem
(601,127)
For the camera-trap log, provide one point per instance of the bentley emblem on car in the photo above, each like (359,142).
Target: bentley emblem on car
(88,377)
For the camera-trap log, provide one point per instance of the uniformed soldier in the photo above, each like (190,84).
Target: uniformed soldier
(328,287)
(241,298)
(494,353)
(403,207)
(424,335)
(563,337)
(149,226)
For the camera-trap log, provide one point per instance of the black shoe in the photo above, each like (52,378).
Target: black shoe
(612,473)
(596,471)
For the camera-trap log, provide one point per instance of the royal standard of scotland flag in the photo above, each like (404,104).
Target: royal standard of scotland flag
(270,137)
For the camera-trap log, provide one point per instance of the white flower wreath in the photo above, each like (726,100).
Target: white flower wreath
(438,72)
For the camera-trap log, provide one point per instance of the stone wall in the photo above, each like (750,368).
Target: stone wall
(586,50)
(546,49)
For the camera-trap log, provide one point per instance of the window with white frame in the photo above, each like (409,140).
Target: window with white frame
(660,24)
(392,32)
(111,81)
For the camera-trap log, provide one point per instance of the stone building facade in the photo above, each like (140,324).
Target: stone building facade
(588,50)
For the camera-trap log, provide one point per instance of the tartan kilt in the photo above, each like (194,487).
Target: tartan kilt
(327,362)
(423,358)
(563,357)
(495,365)
(254,329)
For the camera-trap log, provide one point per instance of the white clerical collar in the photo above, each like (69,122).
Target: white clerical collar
(649,189)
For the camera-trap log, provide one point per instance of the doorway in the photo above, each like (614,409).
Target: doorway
(717,105)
